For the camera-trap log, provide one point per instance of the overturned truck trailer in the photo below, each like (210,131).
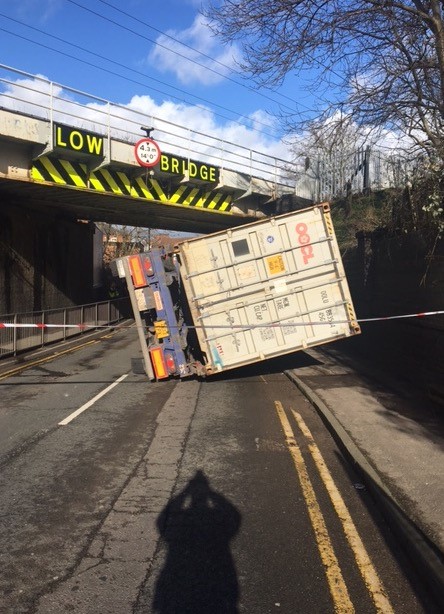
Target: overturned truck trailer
(240,296)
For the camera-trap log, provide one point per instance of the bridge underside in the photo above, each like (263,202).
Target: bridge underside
(95,206)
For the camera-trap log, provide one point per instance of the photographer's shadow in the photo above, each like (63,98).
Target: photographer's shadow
(199,575)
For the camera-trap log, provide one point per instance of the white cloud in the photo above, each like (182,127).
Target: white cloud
(193,132)
(188,65)
(38,10)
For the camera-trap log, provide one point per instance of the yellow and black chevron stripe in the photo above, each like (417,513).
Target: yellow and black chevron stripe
(150,189)
(328,222)
(105,180)
(190,196)
(61,172)
(65,172)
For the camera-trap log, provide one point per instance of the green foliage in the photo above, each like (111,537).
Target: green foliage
(362,213)
(418,208)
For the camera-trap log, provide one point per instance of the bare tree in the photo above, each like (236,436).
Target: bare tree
(124,240)
(338,136)
(384,57)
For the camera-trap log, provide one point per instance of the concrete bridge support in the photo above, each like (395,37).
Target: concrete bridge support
(46,261)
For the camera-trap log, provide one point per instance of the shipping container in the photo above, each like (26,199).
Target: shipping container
(240,296)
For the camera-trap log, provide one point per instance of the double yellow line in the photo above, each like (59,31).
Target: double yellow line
(338,588)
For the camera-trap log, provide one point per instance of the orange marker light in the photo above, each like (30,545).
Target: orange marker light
(158,362)
(137,273)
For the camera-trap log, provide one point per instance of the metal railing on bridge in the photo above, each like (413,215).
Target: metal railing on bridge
(54,325)
(362,170)
(38,97)
(322,178)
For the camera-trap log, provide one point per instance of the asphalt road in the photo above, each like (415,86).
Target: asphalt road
(228,495)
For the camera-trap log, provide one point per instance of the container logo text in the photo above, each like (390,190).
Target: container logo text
(305,242)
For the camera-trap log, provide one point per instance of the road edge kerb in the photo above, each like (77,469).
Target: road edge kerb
(426,557)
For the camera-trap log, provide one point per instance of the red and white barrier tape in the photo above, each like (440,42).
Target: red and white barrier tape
(41,325)
(424,314)
(243,326)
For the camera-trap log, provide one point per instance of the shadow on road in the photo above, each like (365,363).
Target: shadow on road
(199,574)
(294,360)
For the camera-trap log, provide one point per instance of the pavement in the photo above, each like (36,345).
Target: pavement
(394,435)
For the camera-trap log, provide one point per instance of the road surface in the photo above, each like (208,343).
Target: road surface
(227,495)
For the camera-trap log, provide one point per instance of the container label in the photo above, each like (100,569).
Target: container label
(327,316)
(267,334)
(158,300)
(282,303)
(289,328)
(260,310)
(246,272)
(275,264)
(141,300)
(217,357)
(161,329)
(280,286)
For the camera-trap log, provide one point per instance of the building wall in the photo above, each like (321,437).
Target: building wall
(45,261)
(395,276)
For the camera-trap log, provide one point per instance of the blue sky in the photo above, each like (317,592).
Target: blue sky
(126,51)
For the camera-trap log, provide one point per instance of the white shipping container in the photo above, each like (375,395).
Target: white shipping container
(267,288)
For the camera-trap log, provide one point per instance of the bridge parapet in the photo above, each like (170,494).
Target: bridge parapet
(57,135)
(34,96)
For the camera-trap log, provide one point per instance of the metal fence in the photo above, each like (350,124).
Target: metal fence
(363,170)
(55,325)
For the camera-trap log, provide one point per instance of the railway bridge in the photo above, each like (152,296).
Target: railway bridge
(68,160)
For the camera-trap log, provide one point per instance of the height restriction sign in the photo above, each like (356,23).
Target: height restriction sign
(147,152)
